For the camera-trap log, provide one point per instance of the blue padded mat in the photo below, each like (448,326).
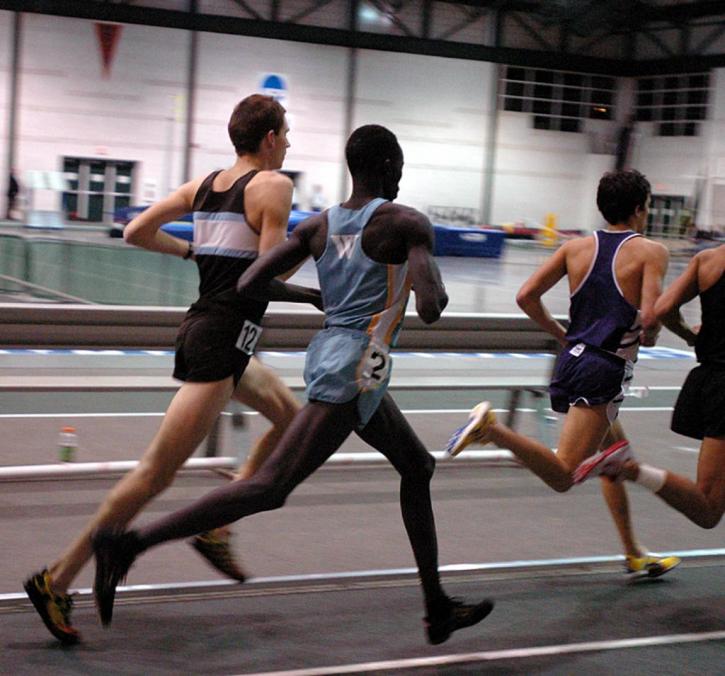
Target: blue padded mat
(468,242)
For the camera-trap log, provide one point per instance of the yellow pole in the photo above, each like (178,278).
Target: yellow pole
(549,232)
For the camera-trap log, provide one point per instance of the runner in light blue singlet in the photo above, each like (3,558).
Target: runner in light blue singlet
(348,366)
(364,306)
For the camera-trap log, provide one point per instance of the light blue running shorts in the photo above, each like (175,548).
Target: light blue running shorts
(342,364)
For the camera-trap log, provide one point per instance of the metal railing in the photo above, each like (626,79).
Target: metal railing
(124,327)
(131,327)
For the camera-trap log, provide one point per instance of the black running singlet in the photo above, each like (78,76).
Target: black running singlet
(225,246)
(710,342)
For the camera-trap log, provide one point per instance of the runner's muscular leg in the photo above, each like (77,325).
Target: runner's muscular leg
(704,502)
(389,432)
(262,389)
(187,421)
(316,432)
(582,433)
(616,498)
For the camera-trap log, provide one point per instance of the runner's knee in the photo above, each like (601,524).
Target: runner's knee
(429,466)
(713,516)
(562,485)
(269,493)
(279,405)
(420,470)
(284,410)
(709,520)
(152,480)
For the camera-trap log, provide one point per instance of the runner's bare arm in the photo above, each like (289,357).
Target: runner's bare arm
(529,295)
(430,293)
(655,267)
(681,291)
(268,200)
(262,280)
(144,230)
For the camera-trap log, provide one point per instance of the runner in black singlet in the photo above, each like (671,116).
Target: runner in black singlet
(369,252)
(700,409)
(239,213)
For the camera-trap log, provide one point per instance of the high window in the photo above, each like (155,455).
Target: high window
(675,103)
(558,100)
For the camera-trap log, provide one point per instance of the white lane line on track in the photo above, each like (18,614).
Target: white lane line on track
(644,353)
(410,411)
(80,415)
(158,414)
(497,655)
(389,572)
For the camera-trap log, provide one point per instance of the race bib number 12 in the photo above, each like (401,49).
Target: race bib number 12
(248,338)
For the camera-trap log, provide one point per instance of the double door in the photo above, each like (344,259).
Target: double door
(96,188)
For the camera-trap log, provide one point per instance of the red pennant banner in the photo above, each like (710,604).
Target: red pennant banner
(108,35)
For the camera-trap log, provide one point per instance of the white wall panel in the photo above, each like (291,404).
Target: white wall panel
(6,27)
(713,203)
(670,163)
(68,107)
(232,67)
(538,172)
(438,109)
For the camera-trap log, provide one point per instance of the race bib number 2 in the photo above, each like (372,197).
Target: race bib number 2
(248,338)
(375,367)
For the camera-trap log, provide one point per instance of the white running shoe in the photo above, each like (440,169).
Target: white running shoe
(608,462)
(474,431)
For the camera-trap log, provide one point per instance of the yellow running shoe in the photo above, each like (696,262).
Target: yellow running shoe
(474,431)
(54,609)
(651,564)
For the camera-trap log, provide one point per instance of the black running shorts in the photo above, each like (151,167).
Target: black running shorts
(700,408)
(206,348)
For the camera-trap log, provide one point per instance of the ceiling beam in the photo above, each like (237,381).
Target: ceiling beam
(249,10)
(683,12)
(644,11)
(392,16)
(659,42)
(535,34)
(471,16)
(309,10)
(151,16)
(710,39)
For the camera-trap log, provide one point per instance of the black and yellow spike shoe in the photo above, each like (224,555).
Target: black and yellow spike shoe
(54,609)
(651,565)
(216,549)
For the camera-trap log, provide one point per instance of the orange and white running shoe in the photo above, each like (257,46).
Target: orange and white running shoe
(608,462)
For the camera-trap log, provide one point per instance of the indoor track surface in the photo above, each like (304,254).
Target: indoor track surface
(333,588)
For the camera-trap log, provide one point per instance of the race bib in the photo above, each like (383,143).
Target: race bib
(375,367)
(577,349)
(248,338)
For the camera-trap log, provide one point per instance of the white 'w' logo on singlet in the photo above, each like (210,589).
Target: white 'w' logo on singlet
(344,245)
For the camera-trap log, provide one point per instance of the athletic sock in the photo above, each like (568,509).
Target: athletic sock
(651,477)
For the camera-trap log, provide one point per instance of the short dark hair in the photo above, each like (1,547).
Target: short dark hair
(620,193)
(368,147)
(251,119)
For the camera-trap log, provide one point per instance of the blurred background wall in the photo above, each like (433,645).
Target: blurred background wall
(499,144)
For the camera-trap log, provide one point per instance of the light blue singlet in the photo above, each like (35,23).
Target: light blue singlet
(364,308)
